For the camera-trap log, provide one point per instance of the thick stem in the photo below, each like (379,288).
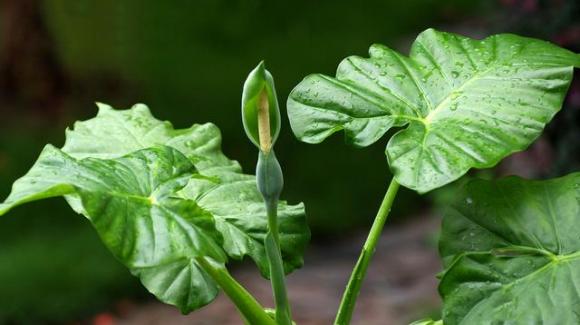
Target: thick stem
(272,211)
(351,293)
(272,243)
(270,182)
(246,304)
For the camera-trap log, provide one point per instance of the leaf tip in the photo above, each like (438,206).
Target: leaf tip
(102,107)
(261,66)
(429,32)
(260,111)
(375,50)
(142,108)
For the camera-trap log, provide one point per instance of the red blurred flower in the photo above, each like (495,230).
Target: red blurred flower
(104,319)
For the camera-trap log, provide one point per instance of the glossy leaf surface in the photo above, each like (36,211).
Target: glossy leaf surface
(241,217)
(114,133)
(230,195)
(107,171)
(512,252)
(466,103)
(131,203)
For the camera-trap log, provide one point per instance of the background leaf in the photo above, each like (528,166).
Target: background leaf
(231,196)
(114,133)
(160,197)
(512,252)
(467,103)
(131,203)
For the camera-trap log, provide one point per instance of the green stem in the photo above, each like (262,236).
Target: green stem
(247,305)
(350,296)
(270,182)
(272,211)
(272,243)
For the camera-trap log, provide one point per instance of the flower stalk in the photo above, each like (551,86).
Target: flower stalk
(261,117)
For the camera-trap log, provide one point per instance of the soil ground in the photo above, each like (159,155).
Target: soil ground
(400,286)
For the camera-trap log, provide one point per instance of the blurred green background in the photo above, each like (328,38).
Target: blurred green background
(187,60)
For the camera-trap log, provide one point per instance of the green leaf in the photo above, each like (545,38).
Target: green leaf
(512,252)
(131,203)
(210,186)
(466,103)
(115,133)
(231,197)
(241,217)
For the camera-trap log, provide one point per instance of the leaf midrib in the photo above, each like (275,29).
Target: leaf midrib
(427,119)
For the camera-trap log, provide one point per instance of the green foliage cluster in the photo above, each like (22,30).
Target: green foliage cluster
(190,63)
(510,247)
(159,198)
(173,209)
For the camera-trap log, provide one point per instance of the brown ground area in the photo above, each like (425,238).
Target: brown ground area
(400,286)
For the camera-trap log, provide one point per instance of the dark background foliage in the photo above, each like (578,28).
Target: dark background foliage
(187,60)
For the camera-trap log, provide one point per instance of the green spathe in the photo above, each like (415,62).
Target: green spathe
(260,83)
(261,119)
(512,253)
(465,103)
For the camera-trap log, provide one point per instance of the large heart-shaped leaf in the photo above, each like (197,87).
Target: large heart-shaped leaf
(132,204)
(467,103)
(208,189)
(512,252)
(232,197)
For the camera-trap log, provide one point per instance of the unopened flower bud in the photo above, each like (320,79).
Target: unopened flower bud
(260,111)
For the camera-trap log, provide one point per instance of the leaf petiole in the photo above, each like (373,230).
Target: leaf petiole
(351,293)
(246,304)
(272,243)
